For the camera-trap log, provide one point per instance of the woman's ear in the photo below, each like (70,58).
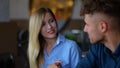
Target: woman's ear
(103,26)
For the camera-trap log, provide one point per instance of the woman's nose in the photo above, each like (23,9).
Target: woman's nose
(49,26)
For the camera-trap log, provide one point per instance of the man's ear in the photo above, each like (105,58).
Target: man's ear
(103,26)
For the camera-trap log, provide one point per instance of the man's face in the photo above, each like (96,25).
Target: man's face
(92,27)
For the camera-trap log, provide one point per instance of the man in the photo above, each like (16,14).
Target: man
(102,23)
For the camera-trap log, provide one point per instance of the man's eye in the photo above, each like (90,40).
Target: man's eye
(83,23)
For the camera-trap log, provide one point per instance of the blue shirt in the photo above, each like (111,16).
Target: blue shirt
(64,50)
(101,57)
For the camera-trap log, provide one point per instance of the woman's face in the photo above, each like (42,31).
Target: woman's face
(49,27)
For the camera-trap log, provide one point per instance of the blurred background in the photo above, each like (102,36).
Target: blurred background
(14,20)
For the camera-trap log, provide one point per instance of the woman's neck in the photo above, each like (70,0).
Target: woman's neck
(49,44)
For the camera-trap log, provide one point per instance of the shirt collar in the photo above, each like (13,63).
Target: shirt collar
(116,52)
(60,39)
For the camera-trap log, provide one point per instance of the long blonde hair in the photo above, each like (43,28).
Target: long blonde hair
(36,48)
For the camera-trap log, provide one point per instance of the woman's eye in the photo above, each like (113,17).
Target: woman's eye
(52,20)
(43,24)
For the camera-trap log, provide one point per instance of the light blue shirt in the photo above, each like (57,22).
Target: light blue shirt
(64,50)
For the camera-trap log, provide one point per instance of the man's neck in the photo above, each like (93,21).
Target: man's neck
(112,42)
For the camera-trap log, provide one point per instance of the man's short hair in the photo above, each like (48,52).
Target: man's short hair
(110,8)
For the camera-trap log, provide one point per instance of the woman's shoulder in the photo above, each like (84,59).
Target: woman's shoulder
(66,40)
(70,45)
(71,41)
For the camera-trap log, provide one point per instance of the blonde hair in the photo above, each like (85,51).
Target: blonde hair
(35,48)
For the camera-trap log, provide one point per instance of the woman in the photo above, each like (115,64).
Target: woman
(46,46)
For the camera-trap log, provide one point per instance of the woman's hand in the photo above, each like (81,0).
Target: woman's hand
(57,64)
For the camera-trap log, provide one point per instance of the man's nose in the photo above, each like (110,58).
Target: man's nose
(85,29)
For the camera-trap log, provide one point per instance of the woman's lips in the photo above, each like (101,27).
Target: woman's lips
(51,32)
